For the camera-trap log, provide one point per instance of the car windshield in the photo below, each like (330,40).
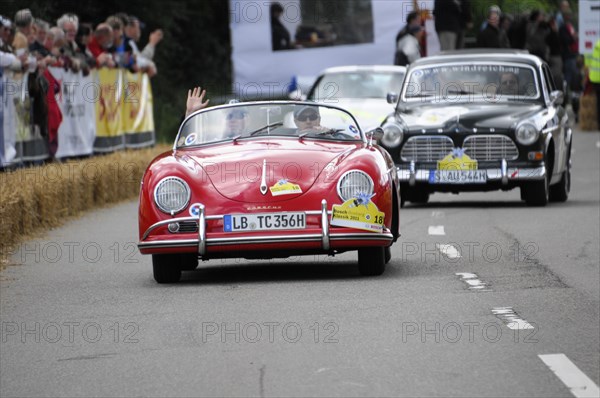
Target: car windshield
(471,82)
(357,85)
(246,120)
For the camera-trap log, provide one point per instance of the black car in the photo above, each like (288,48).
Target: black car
(479,120)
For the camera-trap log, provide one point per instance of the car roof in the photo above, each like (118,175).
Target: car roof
(363,68)
(480,54)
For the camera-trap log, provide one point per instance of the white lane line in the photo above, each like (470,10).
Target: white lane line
(511,318)
(448,250)
(598,144)
(436,230)
(473,281)
(575,380)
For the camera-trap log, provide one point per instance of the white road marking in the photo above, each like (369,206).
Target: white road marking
(511,318)
(436,230)
(598,144)
(575,380)
(437,214)
(448,250)
(473,281)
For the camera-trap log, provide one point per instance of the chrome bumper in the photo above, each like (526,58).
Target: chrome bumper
(504,174)
(202,242)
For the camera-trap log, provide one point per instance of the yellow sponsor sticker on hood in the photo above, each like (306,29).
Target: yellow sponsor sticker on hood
(359,213)
(284,187)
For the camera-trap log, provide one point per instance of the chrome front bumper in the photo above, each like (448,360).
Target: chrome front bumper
(503,173)
(202,242)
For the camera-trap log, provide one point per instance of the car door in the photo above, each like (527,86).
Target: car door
(557,122)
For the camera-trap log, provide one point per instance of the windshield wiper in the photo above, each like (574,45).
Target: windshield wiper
(267,127)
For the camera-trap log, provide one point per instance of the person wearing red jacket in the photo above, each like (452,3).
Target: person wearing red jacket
(99,44)
(54,114)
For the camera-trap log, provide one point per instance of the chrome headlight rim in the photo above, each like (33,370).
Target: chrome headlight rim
(187,198)
(396,141)
(341,179)
(530,127)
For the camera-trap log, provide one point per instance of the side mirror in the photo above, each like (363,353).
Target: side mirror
(392,98)
(375,134)
(556,97)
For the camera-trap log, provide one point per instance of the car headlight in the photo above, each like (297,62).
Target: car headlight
(527,134)
(392,135)
(172,195)
(353,183)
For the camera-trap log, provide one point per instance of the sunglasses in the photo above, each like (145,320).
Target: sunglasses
(508,82)
(237,115)
(304,118)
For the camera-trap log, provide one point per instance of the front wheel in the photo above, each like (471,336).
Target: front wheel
(560,191)
(388,254)
(537,193)
(419,195)
(371,261)
(166,268)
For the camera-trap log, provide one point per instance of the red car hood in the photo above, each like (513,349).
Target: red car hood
(236,169)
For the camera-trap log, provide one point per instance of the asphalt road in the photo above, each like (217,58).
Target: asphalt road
(484,297)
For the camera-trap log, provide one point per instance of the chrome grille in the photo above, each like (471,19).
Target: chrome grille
(426,148)
(490,147)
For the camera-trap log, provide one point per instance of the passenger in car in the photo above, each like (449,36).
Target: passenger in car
(236,122)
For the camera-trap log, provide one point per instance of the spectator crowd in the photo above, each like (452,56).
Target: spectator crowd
(30,45)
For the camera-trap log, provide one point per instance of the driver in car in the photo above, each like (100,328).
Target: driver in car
(308,119)
(509,84)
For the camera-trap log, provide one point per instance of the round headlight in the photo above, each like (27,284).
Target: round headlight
(392,135)
(172,194)
(353,183)
(527,134)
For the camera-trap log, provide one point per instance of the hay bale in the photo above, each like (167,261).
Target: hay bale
(587,113)
(37,198)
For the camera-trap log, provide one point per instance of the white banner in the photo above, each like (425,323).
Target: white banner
(589,25)
(323,34)
(76,100)
(9,121)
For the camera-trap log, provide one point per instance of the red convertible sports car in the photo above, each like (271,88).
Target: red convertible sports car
(263,180)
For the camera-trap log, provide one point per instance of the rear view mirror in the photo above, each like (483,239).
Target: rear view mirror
(556,97)
(392,98)
(375,134)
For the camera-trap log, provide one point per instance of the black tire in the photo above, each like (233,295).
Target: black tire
(166,268)
(419,195)
(188,261)
(560,192)
(371,261)
(388,254)
(537,193)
